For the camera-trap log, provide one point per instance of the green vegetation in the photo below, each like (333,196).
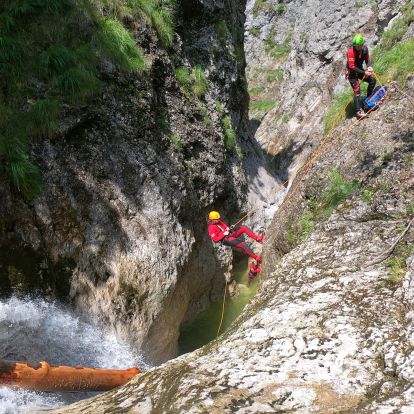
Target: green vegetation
(394,35)
(255,31)
(229,133)
(120,46)
(275,75)
(396,63)
(204,113)
(410,210)
(367,195)
(280,9)
(320,207)
(184,79)
(200,86)
(392,59)
(238,55)
(341,107)
(50,52)
(194,83)
(222,31)
(257,6)
(257,90)
(176,140)
(262,106)
(278,51)
(396,265)
(161,120)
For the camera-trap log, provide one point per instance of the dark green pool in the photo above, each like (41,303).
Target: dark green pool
(198,332)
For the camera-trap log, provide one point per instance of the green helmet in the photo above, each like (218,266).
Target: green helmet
(358,40)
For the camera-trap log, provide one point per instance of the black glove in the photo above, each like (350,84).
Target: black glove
(232,227)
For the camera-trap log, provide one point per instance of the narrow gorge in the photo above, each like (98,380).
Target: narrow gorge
(124,123)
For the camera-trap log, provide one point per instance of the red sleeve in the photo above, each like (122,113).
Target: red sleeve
(215,233)
(351,58)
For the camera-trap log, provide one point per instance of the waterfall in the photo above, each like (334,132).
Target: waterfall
(36,330)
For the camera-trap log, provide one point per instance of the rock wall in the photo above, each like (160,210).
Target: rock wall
(296,55)
(119,228)
(331,328)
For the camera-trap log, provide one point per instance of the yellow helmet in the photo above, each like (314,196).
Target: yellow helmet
(214,215)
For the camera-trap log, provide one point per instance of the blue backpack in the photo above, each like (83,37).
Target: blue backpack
(375,98)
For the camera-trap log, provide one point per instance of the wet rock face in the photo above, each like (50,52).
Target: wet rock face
(331,329)
(127,185)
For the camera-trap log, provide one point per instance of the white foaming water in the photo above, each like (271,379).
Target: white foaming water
(36,330)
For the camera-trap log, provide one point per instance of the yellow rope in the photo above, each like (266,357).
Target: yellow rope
(222,312)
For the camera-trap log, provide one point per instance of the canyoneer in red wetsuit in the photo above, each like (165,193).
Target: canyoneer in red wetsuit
(233,237)
(357,55)
(254,270)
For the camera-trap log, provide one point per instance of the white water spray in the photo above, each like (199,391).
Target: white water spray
(36,330)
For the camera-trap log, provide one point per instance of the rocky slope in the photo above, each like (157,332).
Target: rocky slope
(331,328)
(119,228)
(295,53)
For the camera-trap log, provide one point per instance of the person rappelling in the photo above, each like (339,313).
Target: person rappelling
(357,55)
(232,236)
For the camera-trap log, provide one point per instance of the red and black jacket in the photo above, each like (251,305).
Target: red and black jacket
(355,60)
(216,231)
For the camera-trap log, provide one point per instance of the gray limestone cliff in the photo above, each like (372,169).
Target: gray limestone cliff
(120,226)
(331,328)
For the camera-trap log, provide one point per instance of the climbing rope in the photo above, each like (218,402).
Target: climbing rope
(222,311)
